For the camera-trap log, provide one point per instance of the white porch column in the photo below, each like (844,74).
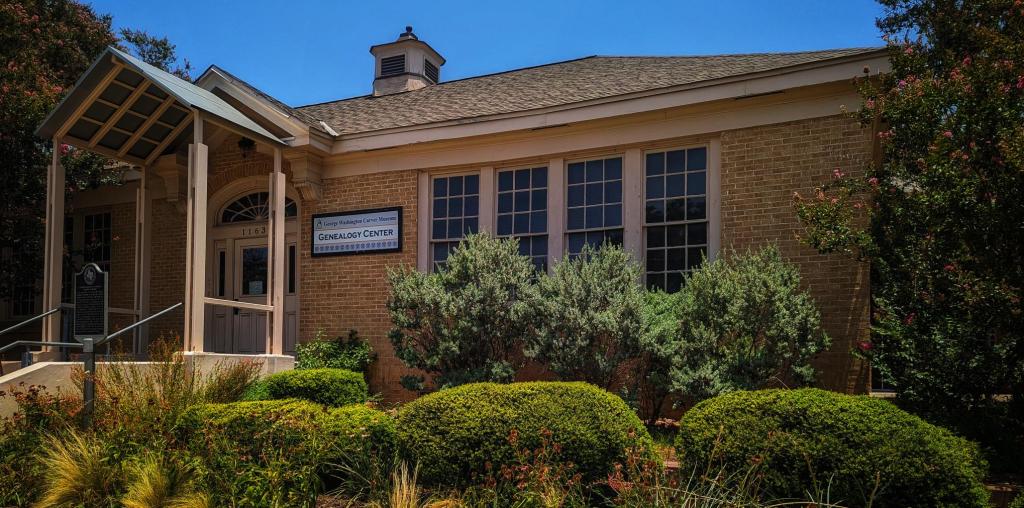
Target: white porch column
(142,221)
(633,203)
(276,282)
(53,251)
(487,197)
(195,266)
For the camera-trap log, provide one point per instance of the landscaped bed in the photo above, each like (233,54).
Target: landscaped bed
(166,438)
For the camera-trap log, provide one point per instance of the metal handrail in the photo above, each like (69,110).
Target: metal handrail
(106,339)
(38,343)
(138,323)
(31,319)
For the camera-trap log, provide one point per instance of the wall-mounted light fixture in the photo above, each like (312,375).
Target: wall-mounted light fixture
(246,146)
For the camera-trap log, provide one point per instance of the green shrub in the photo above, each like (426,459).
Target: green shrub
(258,390)
(330,387)
(362,450)
(856,447)
(286,451)
(745,322)
(590,308)
(466,322)
(462,434)
(351,353)
(263,453)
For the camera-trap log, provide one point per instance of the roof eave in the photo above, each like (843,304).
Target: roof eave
(878,58)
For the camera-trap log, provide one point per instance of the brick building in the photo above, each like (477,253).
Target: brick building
(673,157)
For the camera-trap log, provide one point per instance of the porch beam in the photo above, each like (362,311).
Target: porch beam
(175,132)
(237,305)
(92,97)
(128,102)
(53,251)
(146,125)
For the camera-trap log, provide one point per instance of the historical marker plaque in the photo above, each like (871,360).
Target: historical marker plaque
(90,303)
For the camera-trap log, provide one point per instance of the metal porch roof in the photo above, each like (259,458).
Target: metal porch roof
(124,108)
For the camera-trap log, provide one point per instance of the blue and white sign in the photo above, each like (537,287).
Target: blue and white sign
(358,232)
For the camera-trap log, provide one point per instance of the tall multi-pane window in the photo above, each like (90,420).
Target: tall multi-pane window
(454,213)
(676,217)
(97,243)
(523,211)
(593,203)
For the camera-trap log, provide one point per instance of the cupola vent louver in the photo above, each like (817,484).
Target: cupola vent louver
(430,71)
(392,66)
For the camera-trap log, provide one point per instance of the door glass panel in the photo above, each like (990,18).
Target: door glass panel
(254,271)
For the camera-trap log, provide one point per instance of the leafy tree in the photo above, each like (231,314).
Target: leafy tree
(590,316)
(467,321)
(44,46)
(156,51)
(744,322)
(944,233)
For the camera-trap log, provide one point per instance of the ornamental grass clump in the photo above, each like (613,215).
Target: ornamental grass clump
(861,450)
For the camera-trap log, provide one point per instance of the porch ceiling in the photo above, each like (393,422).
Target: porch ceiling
(128,110)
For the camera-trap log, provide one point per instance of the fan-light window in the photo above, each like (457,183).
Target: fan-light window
(254,207)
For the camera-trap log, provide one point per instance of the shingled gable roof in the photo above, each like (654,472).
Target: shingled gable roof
(556,84)
(252,90)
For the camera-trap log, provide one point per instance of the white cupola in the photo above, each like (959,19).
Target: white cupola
(406,64)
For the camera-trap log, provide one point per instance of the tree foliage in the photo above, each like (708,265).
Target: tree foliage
(45,45)
(945,237)
(591,311)
(744,323)
(467,321)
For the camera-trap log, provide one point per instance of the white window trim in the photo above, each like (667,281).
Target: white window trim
(633,201)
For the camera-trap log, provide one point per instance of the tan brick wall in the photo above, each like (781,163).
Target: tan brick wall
(167,269)
(349,292)
(761,169)
(122,266)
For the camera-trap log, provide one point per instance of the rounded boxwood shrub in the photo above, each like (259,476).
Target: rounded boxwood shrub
(360,434)
(461,435)
(330,387)
(809,440)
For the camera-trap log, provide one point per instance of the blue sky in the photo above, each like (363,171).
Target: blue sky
(308,52)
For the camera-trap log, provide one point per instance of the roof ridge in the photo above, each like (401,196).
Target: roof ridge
(519,69)
(455,80)
(720,55)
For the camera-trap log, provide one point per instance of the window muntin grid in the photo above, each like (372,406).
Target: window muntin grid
(454,213)
(593,203)
(522,211)
(98,239)
(675,215)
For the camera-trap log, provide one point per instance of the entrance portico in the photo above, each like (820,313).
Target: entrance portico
(141,116)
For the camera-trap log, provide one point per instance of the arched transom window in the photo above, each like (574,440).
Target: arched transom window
(254,207)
